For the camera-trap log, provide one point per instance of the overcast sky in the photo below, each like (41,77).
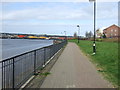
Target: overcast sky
(55,17)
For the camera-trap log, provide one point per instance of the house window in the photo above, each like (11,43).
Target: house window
(111,30)
(115,34)
(115,30)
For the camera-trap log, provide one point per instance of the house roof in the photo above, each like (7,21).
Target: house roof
(111,26)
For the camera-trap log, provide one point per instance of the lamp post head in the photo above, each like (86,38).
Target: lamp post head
(78,26)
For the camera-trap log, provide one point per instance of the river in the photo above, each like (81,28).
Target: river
(13,47)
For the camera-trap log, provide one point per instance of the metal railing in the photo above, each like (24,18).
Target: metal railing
(17,70)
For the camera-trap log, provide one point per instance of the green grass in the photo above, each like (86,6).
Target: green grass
(106,58)
(45,74)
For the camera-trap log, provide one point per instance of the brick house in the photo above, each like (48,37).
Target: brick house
(112,31)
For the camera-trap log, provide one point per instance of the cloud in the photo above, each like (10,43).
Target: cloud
(54,13)
(61,12)
(0,11)
(107,10)
(19,15)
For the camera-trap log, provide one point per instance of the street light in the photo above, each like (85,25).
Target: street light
(61,33)
(94,44)
(78,32)
(65,35)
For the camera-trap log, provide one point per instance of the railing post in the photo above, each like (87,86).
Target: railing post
(34,62)
(50,51)
(2,76)
(44,55)
(13,74)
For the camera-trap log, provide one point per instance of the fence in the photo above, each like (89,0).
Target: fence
(17,70)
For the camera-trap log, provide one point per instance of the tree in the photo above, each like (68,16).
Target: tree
(75,35)
(86,34)
(90,34)
(104,36)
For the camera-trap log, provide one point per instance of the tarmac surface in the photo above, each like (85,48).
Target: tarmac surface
(74,70)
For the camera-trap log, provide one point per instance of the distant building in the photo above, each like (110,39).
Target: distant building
(4,35)
(21,36)
(42,37)
(32,37)
(112,31)
(99,32)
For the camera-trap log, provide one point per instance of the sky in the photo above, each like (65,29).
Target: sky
(55,17)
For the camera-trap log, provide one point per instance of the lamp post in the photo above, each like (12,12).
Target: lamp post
(78,32)
(61,33)
(65,35)
(94,44)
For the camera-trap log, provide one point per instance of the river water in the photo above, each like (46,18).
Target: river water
(13,47)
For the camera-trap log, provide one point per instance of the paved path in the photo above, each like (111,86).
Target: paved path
(74,70)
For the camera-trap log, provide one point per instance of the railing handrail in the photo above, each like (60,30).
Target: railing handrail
(26,53)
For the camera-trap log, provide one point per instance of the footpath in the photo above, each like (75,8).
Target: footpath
(74,70)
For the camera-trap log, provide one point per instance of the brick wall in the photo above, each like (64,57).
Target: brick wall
(112,31)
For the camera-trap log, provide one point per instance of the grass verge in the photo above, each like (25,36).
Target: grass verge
(106,58)
(45,74)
